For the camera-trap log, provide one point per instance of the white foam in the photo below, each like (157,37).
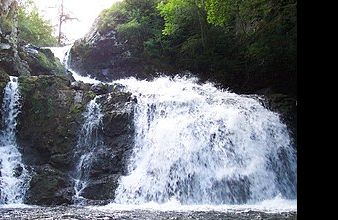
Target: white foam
(198,144)
(275,205)
(18,206)
(13,182)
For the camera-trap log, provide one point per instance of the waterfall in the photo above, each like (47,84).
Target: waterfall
(89,142)
(197,144)
(14,177)
(63,54)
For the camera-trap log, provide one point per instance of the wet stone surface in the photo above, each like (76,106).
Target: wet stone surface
(66,212)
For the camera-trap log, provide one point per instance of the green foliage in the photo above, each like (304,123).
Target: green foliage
(171,11)
(111,17)
(137,21)
(234,42)
(220,12)
(32,28)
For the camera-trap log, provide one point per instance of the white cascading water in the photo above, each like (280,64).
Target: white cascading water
(63,53)
(88,143)
(14,177)
(197,144)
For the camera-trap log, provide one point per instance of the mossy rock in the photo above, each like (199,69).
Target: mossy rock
(42,62)
(6,24)
(4,77)
(51,112)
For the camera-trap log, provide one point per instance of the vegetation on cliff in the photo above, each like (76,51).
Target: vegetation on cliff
(247,45)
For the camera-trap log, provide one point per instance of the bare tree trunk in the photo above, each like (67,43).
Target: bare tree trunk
(60,23)
(200,19)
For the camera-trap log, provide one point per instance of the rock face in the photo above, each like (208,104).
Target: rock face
(18,60)
(48,129)
(10,62)
(42,61)
(4,78)
(105,56)
(117,132)
(286,106)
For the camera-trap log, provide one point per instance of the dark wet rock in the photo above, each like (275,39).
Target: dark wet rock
(106,57)
(110,159)
(49,186)
(118,127)
(50,118)
(286,106)
(47,133)
(100,89)
(4,79)
(101,189)
(41,61)
(18,170)
(62,161)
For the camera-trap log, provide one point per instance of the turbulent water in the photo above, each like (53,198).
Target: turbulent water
(200,153)
(89,213)
(200,145)
(89,142)
(13,174)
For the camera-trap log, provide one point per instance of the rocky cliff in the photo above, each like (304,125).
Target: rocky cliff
(48,130)
(10,61)
(105,56)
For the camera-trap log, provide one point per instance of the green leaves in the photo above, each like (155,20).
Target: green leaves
(237,40)
(220,11)
(34,29)
(178,13)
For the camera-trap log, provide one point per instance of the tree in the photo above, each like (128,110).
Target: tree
(63,17)
(33,28)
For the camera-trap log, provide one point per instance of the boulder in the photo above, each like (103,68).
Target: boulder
(49,186)
(41,61)
(101,190)
(106,57)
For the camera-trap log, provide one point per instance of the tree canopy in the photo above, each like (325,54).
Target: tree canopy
(237,42)
(33,28)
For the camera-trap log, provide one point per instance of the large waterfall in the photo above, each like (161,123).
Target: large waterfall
(14,177)
(89,142)
(197,144)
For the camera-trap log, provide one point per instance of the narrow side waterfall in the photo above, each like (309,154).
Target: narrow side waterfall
(63,54)
(88,143)
(14,177)
(197,144)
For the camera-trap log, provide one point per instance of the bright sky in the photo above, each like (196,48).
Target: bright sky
(84,10)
